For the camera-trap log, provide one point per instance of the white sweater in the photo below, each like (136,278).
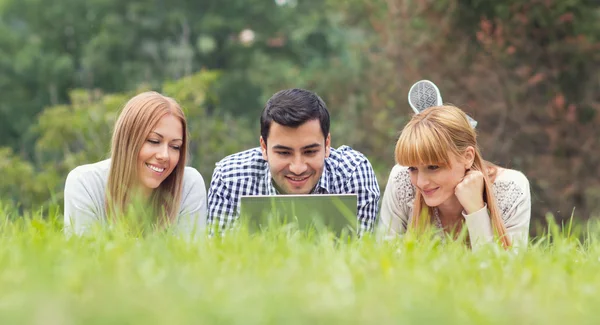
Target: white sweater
(511,189)
(85,199)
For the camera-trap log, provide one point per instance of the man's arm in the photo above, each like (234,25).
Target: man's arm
(222,205)
(364,184)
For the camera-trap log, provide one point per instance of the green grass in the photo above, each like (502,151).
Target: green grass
(284,278)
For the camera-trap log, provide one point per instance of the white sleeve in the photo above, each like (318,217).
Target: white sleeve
(192,216)
(80,211)
(518,217)
(480,227)
(393,220)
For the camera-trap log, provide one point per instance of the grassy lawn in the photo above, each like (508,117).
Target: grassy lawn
(285,278)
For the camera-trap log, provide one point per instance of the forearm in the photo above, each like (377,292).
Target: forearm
(479,226)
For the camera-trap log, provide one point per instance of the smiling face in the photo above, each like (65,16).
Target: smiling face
(160,153)
(296,156)
(437,183)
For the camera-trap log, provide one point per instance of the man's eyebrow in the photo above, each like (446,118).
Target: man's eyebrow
(280,147)
(312,146)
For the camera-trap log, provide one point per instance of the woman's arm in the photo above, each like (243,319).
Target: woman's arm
(192,216)
(514,201)
(81,213)
(394,216)
(518,217)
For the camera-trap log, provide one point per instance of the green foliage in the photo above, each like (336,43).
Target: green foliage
(213,132)
(80,133)
(280,277)
(13,168)
(524,69)
(50,48)
(546,54)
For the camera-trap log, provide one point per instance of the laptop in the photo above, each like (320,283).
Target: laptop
(336,213)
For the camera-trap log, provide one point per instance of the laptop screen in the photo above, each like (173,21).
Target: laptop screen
(333,212)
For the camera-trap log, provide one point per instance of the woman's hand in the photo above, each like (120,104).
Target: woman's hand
(470,191)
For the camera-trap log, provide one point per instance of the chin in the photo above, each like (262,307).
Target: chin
(152,186)
(434,202)
(298,191)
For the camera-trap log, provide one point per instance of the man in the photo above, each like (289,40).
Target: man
(294,157)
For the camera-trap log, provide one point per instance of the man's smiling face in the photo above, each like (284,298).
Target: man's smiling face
(296,156)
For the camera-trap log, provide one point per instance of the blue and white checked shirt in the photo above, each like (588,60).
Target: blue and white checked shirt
(247,173)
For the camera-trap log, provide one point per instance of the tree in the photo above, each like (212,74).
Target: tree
(50,48)
(524,70)
(80,133)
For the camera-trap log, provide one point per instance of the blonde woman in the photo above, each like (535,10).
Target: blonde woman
(442,181)
(147,165)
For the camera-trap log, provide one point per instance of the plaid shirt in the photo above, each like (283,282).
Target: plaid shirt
(247,173)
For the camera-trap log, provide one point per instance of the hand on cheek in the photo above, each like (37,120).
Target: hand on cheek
(470,191)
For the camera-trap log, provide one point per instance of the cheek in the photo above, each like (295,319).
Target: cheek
(276,164)
(317,164)
(451,179)
(144,154)
(413,179)
(175,159)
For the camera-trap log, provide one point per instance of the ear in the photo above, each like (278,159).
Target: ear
(328,145)
(263,148)
(469,157)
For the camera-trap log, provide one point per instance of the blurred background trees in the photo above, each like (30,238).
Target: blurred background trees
(526,70)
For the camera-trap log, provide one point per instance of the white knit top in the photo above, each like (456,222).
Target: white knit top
(85,199)
(511,189)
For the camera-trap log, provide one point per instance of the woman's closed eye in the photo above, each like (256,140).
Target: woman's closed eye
(153,141)
(429,167)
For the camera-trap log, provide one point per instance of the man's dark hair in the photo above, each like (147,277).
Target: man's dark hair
(292,108)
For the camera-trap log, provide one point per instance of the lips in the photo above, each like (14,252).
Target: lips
(297,180)
(429,192)
(155,168)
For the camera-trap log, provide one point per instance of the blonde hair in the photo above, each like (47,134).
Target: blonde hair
(429,138)
(139,117)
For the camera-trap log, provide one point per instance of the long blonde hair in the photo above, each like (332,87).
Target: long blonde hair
(139,117)
(429,138)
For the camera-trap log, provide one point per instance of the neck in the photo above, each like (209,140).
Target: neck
(450,210)
(142,192)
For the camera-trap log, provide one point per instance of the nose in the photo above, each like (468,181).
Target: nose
(298,166)
(422,180)
(162,153)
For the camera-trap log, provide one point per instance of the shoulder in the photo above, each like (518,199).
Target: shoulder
(510,188)
(346,154)
(346,160)
(96,173)
(192,177)
(511,180)
(399,183)
(244,164)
